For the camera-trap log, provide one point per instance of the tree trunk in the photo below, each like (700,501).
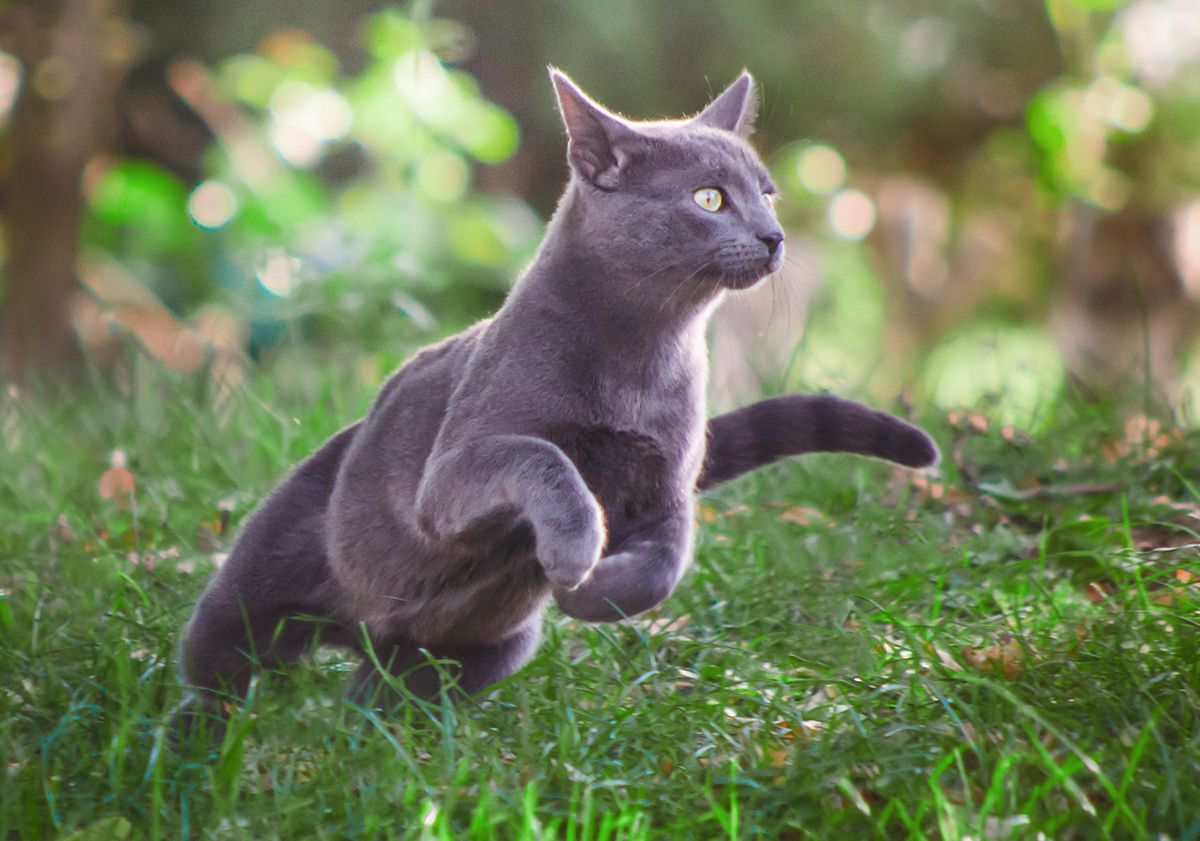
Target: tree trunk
(62,118)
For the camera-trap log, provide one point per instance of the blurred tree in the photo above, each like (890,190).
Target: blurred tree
(1003,160)
(74,54)
(303,197)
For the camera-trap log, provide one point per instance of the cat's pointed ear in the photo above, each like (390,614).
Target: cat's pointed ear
(599,142)
(735,109)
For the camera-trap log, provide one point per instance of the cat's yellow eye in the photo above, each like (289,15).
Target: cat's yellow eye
(709,198)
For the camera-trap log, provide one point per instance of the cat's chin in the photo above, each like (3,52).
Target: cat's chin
(742,282)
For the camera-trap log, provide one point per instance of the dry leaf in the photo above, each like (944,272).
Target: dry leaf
(944,658)
(972,421)
(207,539)
(1165,598)
(1003,659)
(796,514)
(62,529)
(933,490)
(117,484)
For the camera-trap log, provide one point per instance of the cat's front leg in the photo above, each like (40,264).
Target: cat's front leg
(641,571)
(527,476)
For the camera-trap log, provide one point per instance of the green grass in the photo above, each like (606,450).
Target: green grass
(1008,647)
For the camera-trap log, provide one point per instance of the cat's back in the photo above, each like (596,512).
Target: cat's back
(399,430)
(428,373)
(380,472)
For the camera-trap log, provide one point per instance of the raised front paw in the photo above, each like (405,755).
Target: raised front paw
(569,548)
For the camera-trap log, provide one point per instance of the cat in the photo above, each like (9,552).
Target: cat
(550,452)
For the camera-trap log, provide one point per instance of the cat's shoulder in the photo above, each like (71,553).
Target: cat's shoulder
(442,361)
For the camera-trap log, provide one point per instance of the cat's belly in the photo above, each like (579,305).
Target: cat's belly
(486,584)
(475,591)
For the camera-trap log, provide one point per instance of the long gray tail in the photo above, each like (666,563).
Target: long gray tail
(764,432)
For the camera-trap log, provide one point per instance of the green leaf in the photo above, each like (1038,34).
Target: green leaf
(105,829)
(390,35)
(1099,5)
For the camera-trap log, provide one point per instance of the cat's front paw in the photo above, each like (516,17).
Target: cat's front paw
(569,552)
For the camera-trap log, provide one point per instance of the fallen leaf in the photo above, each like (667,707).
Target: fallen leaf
(944,658)
(1004,658)
(796,514)
(117,484)
(207,535)
(62,529)
(933,490)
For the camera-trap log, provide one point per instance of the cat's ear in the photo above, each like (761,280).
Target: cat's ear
(599,142)
(735,109)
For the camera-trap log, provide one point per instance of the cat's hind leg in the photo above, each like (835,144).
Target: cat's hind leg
(460,670)
(228,639)
(265,608)
(260,608)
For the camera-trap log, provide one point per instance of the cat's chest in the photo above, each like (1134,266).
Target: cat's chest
(659,394)
(632,475)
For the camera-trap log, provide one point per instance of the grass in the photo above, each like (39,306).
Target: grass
(1009,647)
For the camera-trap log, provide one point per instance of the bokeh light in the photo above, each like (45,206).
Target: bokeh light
(1019,369)
(1162,37)
(1187,247)
(851,214)
(212,205)
(443,176)
(305,119)
(280,273)
(1120,105)
(10,84)
(821,169)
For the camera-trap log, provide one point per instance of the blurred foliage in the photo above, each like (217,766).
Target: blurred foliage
(336,206)
(944,154)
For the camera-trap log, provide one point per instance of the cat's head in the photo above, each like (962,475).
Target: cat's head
(674,203)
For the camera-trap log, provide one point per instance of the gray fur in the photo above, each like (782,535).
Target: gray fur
(552,451)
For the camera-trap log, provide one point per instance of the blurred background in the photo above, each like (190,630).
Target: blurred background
(989,202)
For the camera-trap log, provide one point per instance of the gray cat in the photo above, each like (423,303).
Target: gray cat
(552,451)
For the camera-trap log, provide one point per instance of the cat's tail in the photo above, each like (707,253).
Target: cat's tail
(764,432)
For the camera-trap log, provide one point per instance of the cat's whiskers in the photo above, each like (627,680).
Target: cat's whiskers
(642,280)
(682,284)
(803,263)
(784,284)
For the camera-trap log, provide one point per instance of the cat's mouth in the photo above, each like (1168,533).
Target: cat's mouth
(744,277)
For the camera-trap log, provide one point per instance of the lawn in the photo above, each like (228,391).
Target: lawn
(1006,648)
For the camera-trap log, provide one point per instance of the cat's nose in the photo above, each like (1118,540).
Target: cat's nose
(771,241)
